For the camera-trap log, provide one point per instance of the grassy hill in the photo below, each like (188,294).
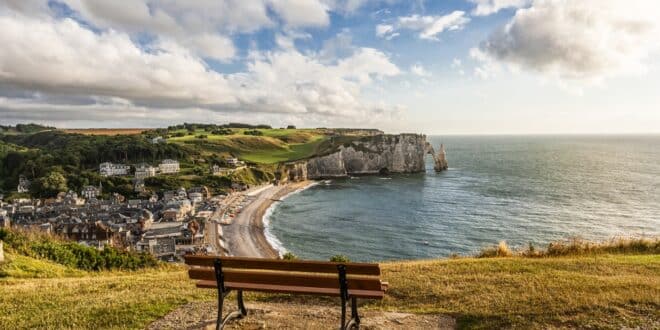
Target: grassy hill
(268,147)
(611,287)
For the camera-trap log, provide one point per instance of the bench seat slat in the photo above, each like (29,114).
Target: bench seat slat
(366,294)
(286,279)
(284,265)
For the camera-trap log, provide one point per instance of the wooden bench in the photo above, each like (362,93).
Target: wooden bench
(348,281)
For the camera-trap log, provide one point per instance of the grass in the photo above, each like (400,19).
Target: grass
(595,291)
(274,146)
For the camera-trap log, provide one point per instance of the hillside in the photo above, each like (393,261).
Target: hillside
(584,291)
(73,156)
(263,146)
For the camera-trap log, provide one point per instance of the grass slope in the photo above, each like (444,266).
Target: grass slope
(273,146)
(600,291)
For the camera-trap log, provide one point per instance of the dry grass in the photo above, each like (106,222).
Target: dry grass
(578,247)
(596,291)
(106,131)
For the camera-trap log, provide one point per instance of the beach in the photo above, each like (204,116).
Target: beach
(245,236)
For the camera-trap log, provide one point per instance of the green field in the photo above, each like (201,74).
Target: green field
(273,146)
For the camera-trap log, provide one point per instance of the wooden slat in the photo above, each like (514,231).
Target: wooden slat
(365,294)
(287,279)
(284,265)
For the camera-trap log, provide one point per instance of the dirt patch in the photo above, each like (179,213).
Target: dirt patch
(107,131)
(282,315)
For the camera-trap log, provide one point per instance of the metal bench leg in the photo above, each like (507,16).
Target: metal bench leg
(222,293)
(354,322)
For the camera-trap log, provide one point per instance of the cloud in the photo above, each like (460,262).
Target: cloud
(107,72)
(428,26)
(299,13)
(488,7)
(580,40)
(419,70)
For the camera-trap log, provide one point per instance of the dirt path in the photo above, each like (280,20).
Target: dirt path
(285,315)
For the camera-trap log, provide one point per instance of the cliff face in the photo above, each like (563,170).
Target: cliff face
(379,154)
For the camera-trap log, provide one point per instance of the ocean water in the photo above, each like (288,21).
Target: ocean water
(520,189)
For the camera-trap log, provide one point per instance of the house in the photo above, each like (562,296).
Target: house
(110,169)
(173,214)
(91,192)
(23,184)
(157,140)
(204,190)
(222,171)
(196,197)
(144,171)
(234,162)
(168,166)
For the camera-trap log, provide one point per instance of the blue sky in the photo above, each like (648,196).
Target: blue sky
(436,67)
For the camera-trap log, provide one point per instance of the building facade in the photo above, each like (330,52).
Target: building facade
(169,166)
(110,169)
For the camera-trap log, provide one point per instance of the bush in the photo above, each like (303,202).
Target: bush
(500,250)
(339,258)
(253,132)
(289,256)
(74,255)
(202,136)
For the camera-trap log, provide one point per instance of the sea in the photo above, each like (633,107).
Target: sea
(519,189)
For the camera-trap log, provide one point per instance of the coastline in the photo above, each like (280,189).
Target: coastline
(247,234)
(263,219)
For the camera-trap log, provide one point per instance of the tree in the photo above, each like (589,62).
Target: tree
(291,127)
(50,185)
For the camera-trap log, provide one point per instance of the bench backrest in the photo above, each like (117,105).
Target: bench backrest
(306,274)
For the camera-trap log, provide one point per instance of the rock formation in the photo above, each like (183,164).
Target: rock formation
(379,154)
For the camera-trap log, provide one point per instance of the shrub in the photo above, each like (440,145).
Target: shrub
(253,132)
(74,255)
(289,256)
(202,136)
(339,258)
(500,250)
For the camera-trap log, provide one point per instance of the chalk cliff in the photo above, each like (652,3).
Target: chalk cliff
(380,154)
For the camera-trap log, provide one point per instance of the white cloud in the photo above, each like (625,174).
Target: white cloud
(585,40)
(383,29)
(297,13)
(419,70)
(82,68)
(429,27)
(488,7)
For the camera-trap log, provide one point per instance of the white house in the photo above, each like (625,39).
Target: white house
(169,166)
(144,171)
(110,169)
(23,184)
(157,140)
(234,162)
(90,192)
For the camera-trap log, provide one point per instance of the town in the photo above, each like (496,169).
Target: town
(166,225)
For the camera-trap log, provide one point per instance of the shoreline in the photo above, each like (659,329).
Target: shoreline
(259,216)
(247,233)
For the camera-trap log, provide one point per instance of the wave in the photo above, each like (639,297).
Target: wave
(270,237)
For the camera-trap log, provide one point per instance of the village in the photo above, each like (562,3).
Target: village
(167,226)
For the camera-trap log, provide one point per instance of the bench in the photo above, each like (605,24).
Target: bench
(348,281)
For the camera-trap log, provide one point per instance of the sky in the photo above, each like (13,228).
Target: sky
(434,67)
